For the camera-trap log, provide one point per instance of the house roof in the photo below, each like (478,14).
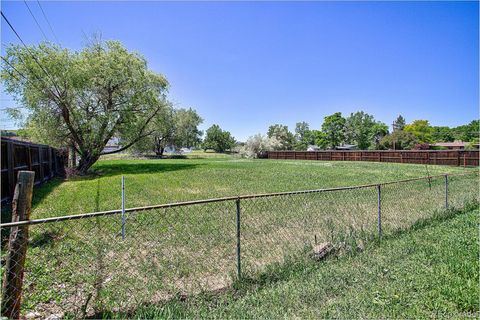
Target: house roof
(450,144)
(346,146)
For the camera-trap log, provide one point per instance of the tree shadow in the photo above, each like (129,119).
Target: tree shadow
(45,239)
(114,169)
(43,190)
(39,193)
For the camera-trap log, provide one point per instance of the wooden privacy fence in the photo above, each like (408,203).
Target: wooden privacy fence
(45,161)
(441,157)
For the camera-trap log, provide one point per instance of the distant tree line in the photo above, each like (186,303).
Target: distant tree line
(361,130)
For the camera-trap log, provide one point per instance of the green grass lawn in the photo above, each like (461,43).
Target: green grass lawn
(85,266)
(155,181)
(430,271)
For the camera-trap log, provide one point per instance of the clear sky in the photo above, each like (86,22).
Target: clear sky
(246,65)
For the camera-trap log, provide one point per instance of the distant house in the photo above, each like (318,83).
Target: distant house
(186,150)
(174,150)
(345,146)
(455,145)
(112,145)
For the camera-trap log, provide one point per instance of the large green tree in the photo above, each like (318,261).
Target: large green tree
(399,140)
(285,138)
(218,139)
(187,133)
(333,128)
(442,134)
(468,132)
(399,123)
(85,97)
(320,139)
(303,136)
(358,129)
(378,131)
(171,127)
(421,129)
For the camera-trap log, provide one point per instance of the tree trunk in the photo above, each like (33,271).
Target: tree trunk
(73,157)
(85,163)
(159,151)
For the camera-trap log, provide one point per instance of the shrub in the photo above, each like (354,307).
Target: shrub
(258,145)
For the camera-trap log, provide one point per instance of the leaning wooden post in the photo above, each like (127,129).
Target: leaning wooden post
(17,246)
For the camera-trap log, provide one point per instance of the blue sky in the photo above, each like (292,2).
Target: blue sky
(246,65)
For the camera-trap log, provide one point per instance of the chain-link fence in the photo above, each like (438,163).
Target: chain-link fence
(86,264)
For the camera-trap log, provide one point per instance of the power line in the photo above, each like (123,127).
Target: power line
(32,55)
(26,78)
(35,19)
(13,29)
(48,21)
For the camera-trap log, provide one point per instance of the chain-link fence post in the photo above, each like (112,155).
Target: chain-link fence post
(17,246)
(379,203)
(123,207)
(239,262)
(446,191)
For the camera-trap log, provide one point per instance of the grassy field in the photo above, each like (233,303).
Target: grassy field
(430,271)
(85,266)
(154,181)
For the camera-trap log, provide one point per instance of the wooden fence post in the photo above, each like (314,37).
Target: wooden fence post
(17,246)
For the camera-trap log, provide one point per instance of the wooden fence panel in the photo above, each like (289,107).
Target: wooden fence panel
(465,158)
(45,161)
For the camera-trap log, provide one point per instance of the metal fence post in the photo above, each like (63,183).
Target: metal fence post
(239,265)
(379,202)
(123,207)
(446,191)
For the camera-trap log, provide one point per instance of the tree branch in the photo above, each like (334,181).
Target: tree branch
(128,145)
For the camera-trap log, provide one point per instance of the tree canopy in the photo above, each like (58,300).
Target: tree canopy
(399,123)
(87,97)
(442,134)
(171,127)
(333,128)
(362,130)
(399,140)
(303,136)
(218,139)
(421,129)
(468,132)
(286,139)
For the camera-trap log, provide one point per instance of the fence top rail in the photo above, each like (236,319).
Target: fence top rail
(230,198)
(375,151)
(26,143)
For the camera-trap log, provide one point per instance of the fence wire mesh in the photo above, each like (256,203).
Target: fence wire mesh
(80,267)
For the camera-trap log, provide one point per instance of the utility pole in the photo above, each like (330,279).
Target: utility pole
(393,130)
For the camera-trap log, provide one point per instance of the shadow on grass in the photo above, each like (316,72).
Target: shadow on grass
(114,169)
(180,306)
(39,193)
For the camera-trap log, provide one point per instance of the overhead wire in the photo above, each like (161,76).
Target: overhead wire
(32,55)
(48,22)
(36,21)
